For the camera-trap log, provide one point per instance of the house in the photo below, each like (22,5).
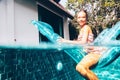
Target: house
(16,16)
(33,62)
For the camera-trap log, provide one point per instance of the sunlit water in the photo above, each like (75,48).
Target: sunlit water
(107,68)
(108,65)
(54,62)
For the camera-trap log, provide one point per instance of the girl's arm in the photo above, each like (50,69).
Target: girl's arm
(84,32)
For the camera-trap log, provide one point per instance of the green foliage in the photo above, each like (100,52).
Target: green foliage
(80,1)
(71,1)
(102,13)
(109,3)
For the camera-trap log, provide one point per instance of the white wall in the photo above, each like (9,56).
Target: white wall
(66,29)
(15,18)
(25,11)
(6,29)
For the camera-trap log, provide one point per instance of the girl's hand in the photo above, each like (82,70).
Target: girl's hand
(95,49)
(61,40)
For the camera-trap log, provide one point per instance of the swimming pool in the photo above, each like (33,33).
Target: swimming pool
(108,65)
(50,62)
(42,62)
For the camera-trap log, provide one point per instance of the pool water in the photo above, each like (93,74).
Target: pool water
(108,65)
(42,62)
(51,62)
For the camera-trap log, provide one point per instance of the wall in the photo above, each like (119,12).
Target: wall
(15,26)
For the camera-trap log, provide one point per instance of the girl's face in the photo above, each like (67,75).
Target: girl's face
(81,18)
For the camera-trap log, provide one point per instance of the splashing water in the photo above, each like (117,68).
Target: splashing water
(106,38)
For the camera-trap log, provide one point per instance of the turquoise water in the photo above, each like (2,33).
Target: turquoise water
(39,62)
(108,65)
(53,62)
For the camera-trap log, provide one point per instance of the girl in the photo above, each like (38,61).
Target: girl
(85,37)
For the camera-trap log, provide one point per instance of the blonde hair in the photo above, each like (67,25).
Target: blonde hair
(82,10)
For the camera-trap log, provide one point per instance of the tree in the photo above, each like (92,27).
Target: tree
(102,13)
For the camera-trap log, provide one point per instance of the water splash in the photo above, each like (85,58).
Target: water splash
(107,38)
(46,30)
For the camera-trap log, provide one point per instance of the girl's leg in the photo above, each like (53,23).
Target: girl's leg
(84,65)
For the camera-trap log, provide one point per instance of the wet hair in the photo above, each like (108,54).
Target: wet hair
(74,22)
(85,13)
